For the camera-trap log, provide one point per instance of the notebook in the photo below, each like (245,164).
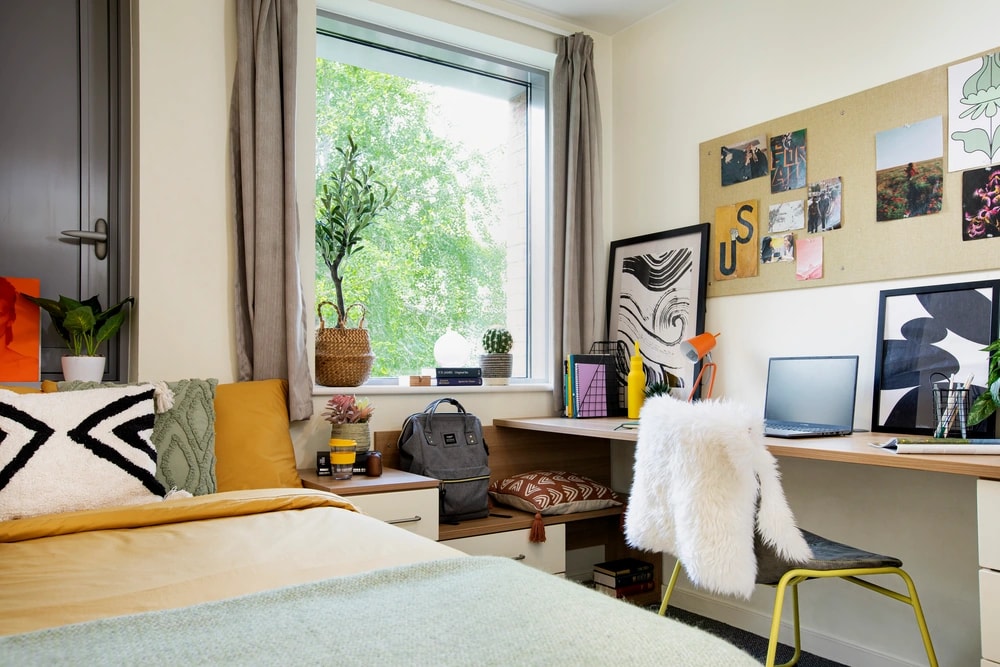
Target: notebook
(809,397)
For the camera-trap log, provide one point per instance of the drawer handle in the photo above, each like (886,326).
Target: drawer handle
(412,519)
(519,557)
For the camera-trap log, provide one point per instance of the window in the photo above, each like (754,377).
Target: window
(462,138)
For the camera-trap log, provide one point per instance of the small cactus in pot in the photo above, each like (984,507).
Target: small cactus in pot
(497,362)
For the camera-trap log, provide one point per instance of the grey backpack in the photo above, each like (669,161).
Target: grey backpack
(449,446)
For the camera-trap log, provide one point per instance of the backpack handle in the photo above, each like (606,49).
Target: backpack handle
(470,436)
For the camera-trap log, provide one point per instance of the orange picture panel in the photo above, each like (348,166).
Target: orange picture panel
(19,330)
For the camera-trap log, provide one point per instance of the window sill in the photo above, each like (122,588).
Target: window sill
(390,389)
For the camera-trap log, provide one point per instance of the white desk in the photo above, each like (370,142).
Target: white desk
(856,449)
(847,449)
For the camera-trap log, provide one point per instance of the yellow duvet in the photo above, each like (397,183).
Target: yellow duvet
(78,566)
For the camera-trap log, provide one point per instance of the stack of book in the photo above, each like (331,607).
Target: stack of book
(624,577)
(459,376)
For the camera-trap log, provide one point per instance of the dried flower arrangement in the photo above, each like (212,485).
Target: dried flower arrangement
(348,409)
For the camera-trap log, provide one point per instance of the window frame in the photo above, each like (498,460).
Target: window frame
(538,237)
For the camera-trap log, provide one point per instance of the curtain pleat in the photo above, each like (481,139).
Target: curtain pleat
(270,307)
(578,235)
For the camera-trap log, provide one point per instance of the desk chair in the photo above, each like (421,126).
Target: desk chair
(706,490)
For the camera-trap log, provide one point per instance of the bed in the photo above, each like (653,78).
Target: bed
(296,576)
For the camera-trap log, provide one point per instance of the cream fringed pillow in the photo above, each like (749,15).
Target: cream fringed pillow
(76,450)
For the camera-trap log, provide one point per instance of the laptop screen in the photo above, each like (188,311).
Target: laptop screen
(818,390)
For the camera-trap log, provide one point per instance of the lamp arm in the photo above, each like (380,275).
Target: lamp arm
(711,383)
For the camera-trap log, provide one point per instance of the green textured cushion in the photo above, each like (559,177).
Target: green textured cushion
(184,435)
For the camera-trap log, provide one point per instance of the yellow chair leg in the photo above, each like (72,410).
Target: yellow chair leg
(670,589)
(921,622)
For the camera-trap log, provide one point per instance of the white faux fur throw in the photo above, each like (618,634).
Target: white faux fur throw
(699,470)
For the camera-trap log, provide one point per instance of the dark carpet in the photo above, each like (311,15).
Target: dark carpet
(753,644)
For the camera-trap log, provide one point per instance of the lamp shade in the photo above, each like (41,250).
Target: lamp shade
(696,348)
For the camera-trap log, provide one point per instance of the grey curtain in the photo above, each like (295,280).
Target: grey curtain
(578,233)
(270,308)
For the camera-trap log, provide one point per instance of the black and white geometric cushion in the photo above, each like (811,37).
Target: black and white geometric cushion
(68,451)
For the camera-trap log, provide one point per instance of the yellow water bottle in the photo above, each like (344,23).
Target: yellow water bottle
(636,384)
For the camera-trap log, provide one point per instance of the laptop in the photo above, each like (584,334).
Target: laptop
(810,397)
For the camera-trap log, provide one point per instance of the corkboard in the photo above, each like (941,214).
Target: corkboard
(841,142)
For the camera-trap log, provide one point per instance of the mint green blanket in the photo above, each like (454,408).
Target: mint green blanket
(460,611)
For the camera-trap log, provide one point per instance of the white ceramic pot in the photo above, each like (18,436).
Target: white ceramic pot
(86,369)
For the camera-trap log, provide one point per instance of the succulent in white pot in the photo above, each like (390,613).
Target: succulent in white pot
(496,361)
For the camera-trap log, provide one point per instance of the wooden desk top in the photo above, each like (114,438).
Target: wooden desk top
(854,448)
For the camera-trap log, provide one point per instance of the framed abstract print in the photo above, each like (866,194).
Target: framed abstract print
(656,296)
(928,335)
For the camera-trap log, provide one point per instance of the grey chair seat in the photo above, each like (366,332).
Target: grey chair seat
(827,555)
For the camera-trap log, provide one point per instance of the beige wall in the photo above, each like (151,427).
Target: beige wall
(184,55)
(666,85)
(706,68)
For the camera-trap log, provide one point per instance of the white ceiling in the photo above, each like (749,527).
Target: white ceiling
(604,16)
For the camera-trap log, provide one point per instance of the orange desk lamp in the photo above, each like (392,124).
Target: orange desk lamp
(696,349)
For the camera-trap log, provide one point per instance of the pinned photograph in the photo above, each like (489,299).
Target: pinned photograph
(825,205)
(809,260)
(735,235)
(909,170)
(981,204)
(785,216)
(745,161)
(788,161)
(973,140)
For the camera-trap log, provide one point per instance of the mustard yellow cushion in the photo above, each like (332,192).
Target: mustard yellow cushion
(253,447)
(49,386)
(21,390)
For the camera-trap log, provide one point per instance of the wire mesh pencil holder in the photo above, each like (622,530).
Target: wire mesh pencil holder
(951,410)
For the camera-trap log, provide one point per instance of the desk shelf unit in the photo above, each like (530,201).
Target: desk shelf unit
(514,451)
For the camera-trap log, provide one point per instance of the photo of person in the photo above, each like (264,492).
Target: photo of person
(19,332)
(745,161)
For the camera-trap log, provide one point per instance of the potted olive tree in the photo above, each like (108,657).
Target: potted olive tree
(350,200)
(84,325)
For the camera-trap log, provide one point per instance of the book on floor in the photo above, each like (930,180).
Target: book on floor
(626,591)
(621,566)
(619,580)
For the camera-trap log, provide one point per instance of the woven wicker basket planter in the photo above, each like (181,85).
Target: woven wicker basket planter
(343,354)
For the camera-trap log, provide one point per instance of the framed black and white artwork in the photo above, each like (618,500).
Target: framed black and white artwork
(928,335)
(656,295)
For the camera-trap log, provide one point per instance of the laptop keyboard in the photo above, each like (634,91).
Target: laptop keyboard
(792,428)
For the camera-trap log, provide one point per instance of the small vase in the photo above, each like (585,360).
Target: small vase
(85,369)
(359,433)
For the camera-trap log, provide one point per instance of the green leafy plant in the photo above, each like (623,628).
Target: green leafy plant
(350,200)
(497,340)
(986,403)
(84,325)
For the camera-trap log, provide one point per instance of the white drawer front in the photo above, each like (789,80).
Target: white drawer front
(549,555)
(989,523)
(989,613)
(416,511)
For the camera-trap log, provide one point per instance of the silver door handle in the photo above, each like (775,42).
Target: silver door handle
(99,236)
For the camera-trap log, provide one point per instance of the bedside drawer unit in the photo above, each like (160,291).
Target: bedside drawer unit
(416,511)
(549,556)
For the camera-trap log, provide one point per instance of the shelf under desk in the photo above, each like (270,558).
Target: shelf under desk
(854,448)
